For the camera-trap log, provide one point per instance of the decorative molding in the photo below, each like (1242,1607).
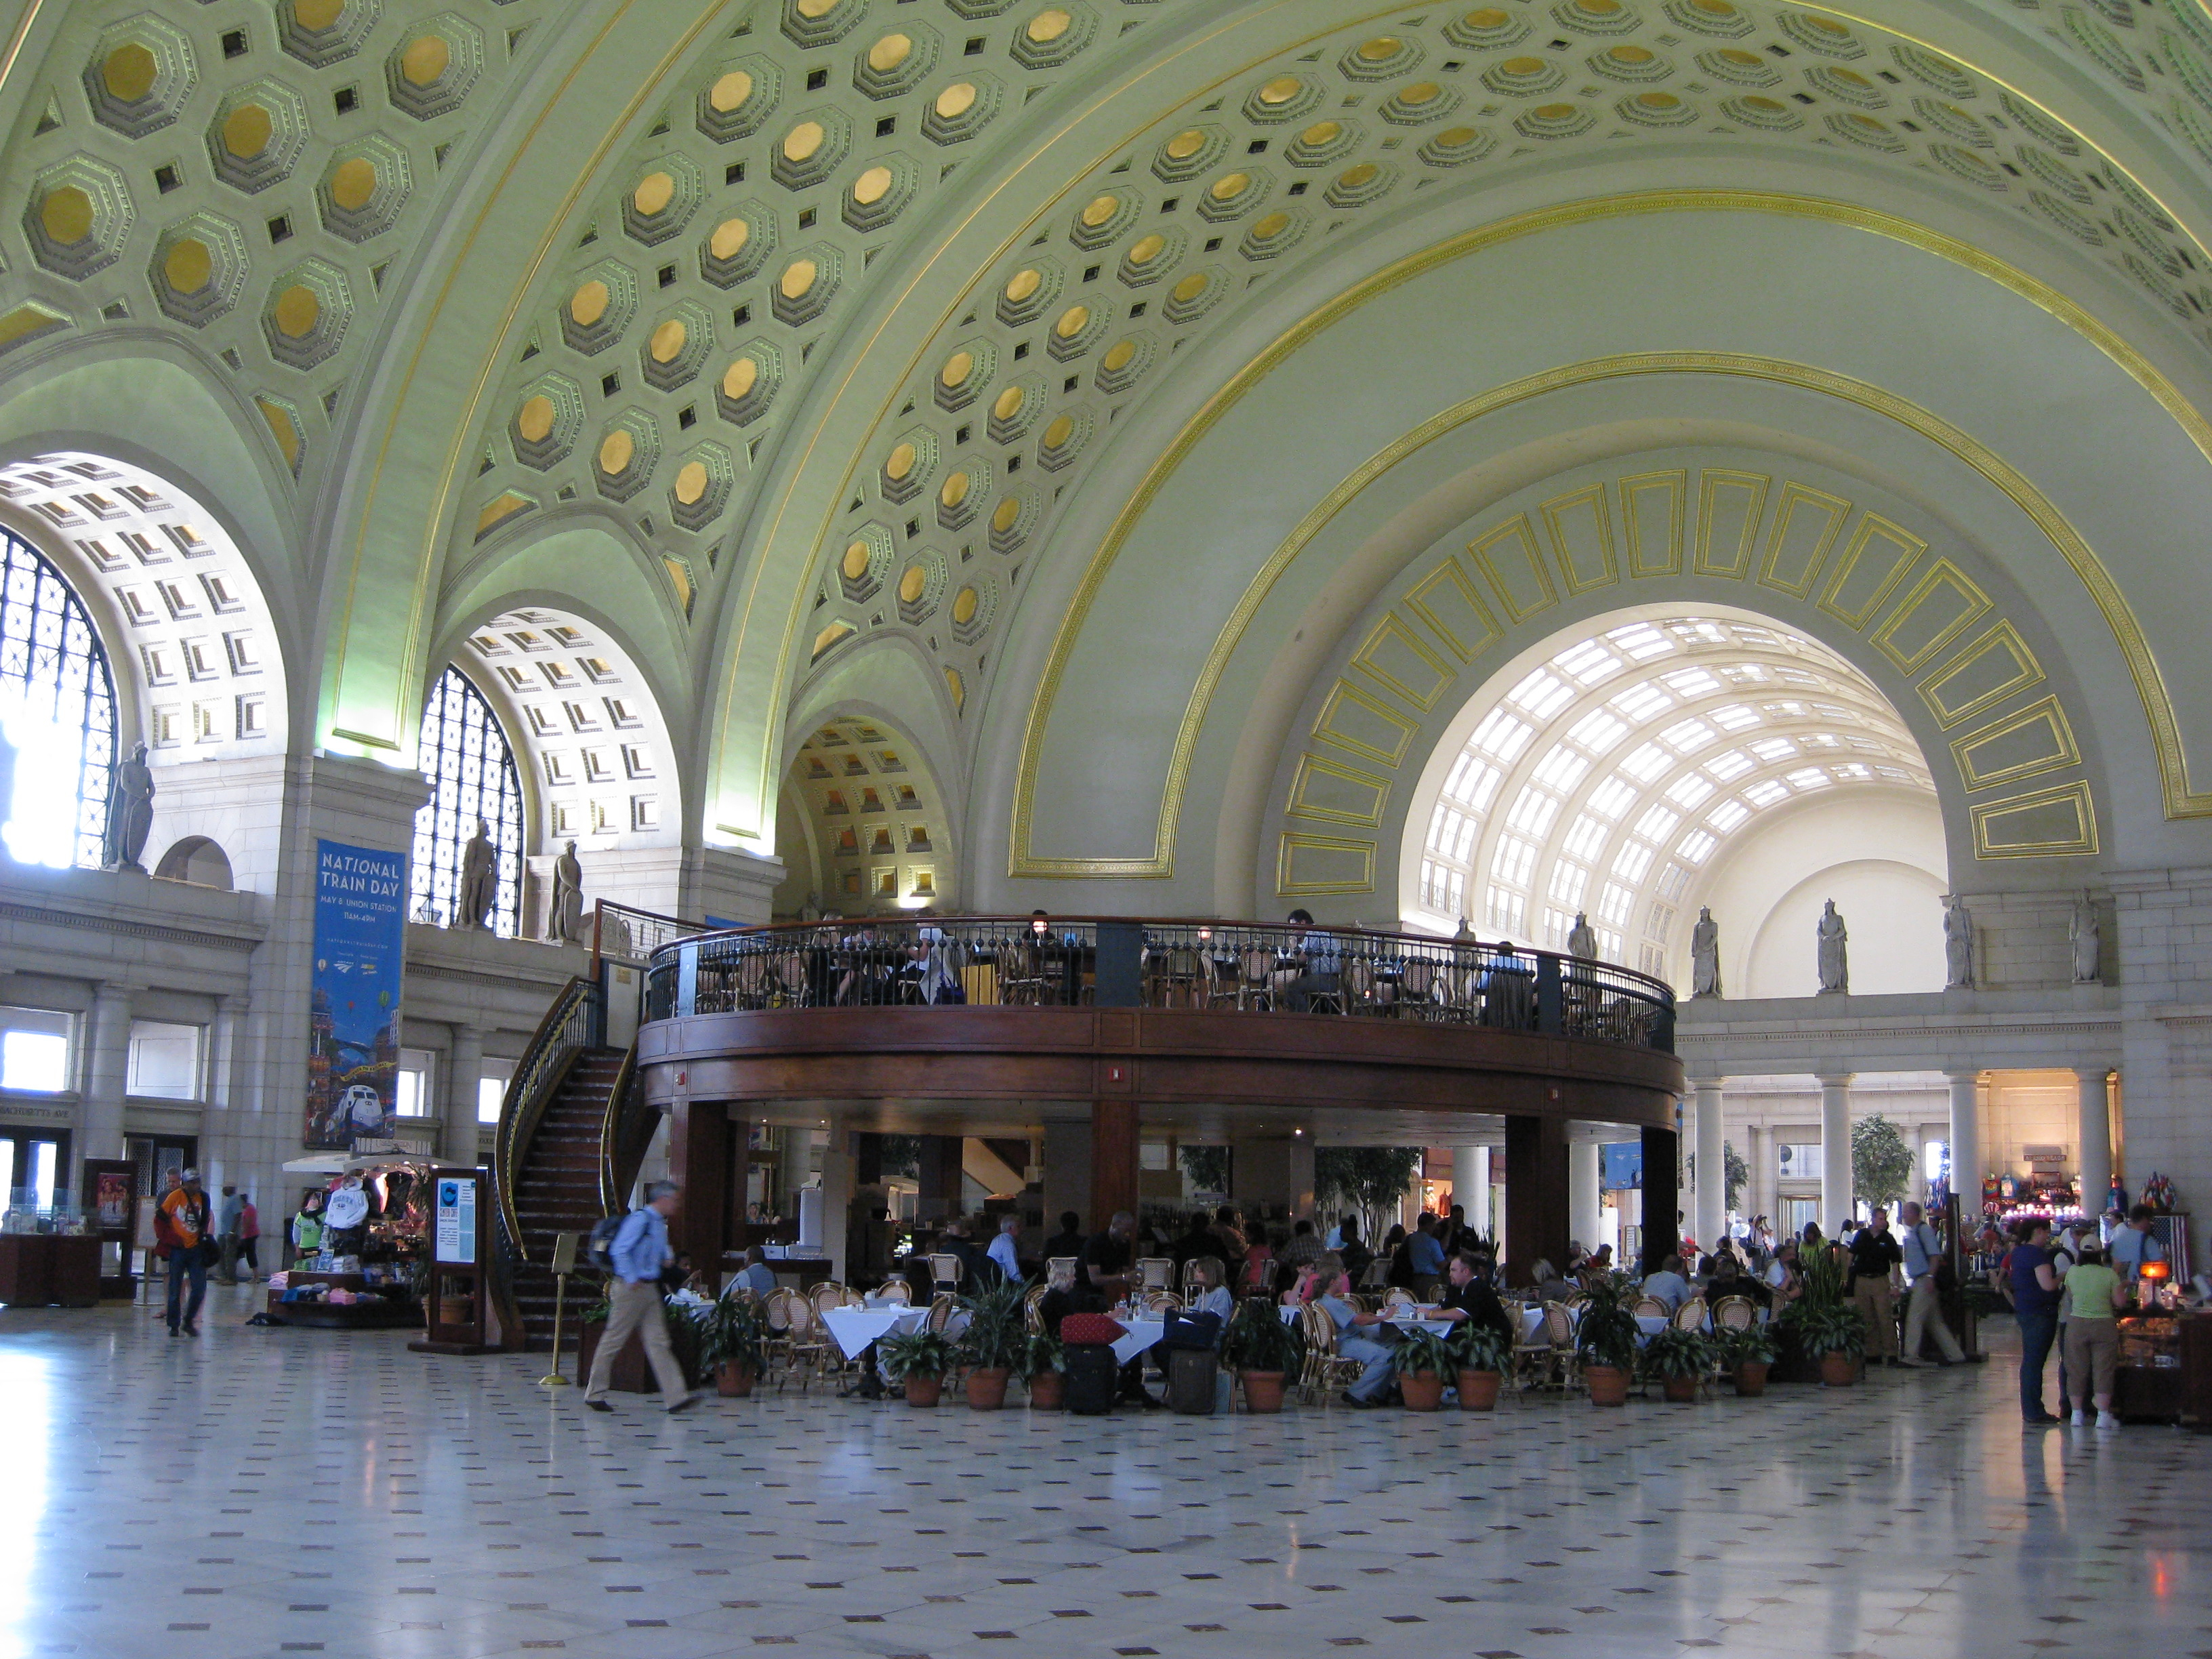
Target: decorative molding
(37,915)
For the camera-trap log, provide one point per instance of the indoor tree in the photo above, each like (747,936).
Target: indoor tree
(1881,1161)
(1369,1180)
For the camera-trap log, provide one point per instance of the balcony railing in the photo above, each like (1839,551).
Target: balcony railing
(1233,967)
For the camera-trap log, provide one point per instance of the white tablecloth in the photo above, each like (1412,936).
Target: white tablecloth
(856,1327)
(1532,1323)
(1142,1333)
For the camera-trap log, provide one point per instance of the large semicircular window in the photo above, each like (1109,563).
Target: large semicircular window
(469,765)
(1608,777)
(58,712)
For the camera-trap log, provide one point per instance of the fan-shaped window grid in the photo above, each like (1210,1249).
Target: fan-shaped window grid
(1608,778)
(57,706)
(465,754)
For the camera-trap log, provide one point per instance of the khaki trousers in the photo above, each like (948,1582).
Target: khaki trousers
(637,1308)
(1924,1317)
(2093,1354)
(1875,1303)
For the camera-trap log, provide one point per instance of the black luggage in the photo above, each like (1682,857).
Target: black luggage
(1093,1377)
(1191,1373)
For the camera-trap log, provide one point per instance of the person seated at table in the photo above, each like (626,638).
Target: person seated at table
(1229,1234)
(976,1267)
(1424,1254)
(1195,1242)
(1066,1292)
(1600,1264)
(1210,1292)
(1784,1282)
(1398,1272)
(756,1276)
(1260,1263)
(1358,1336)
(1069,1240)
(1729,1278)
(1667,1284)
(1470,1297)
(1357,1256)
(1005,1249)
(1312,965)
(1547,1283)
(1304,1247)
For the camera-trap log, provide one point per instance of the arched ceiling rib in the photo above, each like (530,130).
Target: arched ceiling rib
(1608,777)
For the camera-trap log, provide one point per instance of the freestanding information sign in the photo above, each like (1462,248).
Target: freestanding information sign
(456,1309)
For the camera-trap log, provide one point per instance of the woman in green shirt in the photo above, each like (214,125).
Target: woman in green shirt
(2092,1291)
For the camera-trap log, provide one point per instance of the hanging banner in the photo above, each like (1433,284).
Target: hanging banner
(353,1044)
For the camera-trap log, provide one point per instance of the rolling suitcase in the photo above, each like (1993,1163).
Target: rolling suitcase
(1093,1377)
(1191,1372)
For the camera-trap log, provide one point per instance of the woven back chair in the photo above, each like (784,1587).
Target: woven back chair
(1257,988)
(1559,1327)
(1326,1370)
(755,981)
(1649,1307)
(826,1295)
(791,971)
(1021,972)
(1161,1302)
(1533,1357)
(1417,989)
(1691,1316)
(1734,1312)
(946,1270)
(1156,1273)
(941,1309)
(895,1290)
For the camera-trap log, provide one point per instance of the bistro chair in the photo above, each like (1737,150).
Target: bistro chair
(1326,1370)
(1691,1316)
(776,1344)
(1734,1312)
(896,1290)
(1257,988)
(941,1309)
(945,1269)
(1559,1326)
(1417,989)
(1649,1307)
(811,1346)
(1021,973)
(828,1294)
(1156,1273)
(755,979)
(1177,979)
(1159,1304)
(1531,1355)
(791,972)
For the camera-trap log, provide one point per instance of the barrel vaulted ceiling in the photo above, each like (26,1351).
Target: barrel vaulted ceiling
(822,312)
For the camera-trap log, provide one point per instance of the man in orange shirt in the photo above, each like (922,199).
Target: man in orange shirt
(179,1226)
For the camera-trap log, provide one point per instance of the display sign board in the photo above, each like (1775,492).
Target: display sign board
(456,1221)
(353,1043)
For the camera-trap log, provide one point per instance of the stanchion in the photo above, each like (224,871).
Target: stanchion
(564,1263)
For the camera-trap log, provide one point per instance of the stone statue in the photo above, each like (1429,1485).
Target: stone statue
(1582,938)
(479,883)
(564,916)
(1830,938)
(1958,946)
(130,813)
(2089,942)
(1706,955)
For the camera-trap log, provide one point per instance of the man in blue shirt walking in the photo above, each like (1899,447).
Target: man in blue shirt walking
(638,1252)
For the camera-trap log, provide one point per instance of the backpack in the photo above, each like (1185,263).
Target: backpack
(600,1250)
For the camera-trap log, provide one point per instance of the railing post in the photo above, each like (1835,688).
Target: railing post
(687,979)
(1550,1006)
(1662,1029)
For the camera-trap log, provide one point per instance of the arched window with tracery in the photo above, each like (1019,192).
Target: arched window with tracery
(465,754)
(58,709)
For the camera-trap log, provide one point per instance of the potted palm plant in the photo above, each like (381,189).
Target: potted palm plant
(991,1345)
(1261,1348)
(1605,1340)
(1835,1336)
(730,1345)
(1481,1354)
(1422,1363)
(1747,1355)
(918,1360)
(1678,1360)
(1043,1367)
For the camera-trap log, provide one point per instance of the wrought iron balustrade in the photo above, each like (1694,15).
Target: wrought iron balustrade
(1233,967)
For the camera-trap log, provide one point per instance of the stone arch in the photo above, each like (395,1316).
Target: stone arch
(197,860)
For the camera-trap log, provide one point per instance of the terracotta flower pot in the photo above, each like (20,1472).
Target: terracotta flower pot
(1682,1390)
(1478,1390)
(1607,1385)
(1422,1391)
(1048,1391)
(924,1391)
(1838,1370)
(1751,1378)
(986,1388)
(1263,1390)
(733,1381)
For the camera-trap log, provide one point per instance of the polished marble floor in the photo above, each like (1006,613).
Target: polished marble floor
(263,1492)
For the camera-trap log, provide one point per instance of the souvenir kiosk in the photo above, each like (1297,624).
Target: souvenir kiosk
(369,1276)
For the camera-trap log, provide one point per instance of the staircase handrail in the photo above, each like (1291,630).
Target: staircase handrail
(625,933)
(571,1025)
(611,1135)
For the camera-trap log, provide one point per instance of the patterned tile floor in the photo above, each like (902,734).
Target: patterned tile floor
(269,1491)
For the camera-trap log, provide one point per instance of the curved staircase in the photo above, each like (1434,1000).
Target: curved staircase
(557,1186)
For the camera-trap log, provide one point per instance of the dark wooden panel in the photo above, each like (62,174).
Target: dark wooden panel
(1114,1159)
(699,1139)
(1536,1194)
(1662,1231)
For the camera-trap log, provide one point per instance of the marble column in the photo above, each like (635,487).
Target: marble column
(1835,1152)
(2095,1159)
(106,1075)
(1710,1219)
(1758,1158)
(839,1167)
(456,1137)
(1585,1158)
(1471,1185)
(1966,1135)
